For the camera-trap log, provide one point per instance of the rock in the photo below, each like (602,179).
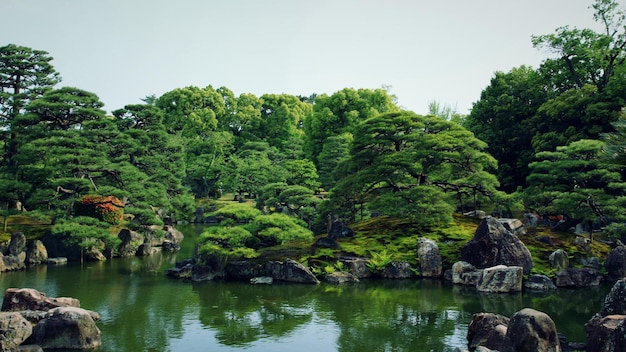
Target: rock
(539,283)
(93,254)
(357,266)
(131,240)
(29,348)
(12,262)
(487,330)
(578,277)
(339,230)
(17,244)
(494,245)
(14,330)
(464,273)
(615,263)
(145,249)
(398,270)
(530,220)
(290,271)
(183,272)
(607,334)
(583,242)
(262,280)
(19,299)
(326,242)
(530,330)
(36,253)
(244,270)
(172,234)
(500,279)
(201,273)
(429,258)
(559,260)
(476,214)
(57,261)
(340,277)
(66,328)
(615,300)
(515,226)
(591,262)
(170,247)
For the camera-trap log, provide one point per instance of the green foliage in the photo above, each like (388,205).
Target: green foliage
(379,260)
(84,232)
(238,212)
(278,228)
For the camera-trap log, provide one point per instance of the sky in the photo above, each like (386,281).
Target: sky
(423,51)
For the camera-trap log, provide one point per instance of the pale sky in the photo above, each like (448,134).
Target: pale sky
(425,50)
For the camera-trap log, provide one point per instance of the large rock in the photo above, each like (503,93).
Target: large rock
(539,283)
(606,329)
(429,258)
(578,277)
(397,270)
(615,263)
(500,279)
(131,240)
(339,230)
(515,226)
(67,328)
(172,234)
(290,271)
(17,244)
(487,330)
(19,299)
(464,273)
(244,270)
(36,253)
(607,334)
(12,262)
(529,331)
(357,266)
(340,277)
(494,245)
(559,260)
(14,330)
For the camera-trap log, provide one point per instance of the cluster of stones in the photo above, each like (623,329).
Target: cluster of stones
(19,253)
(532,330)
(30,321)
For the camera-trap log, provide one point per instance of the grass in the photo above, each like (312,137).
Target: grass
(32,227)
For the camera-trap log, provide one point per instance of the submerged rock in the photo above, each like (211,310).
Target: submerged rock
(429,258)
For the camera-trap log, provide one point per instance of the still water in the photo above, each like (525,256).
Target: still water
(142,310)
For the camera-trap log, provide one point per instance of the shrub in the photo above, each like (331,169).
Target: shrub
(109,208)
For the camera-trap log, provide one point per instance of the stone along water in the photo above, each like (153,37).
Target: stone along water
(142,310)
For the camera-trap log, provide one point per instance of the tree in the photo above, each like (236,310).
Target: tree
(335,150)
(415,166)
(282,117)
(572,181)
(501,118)
(25,75)
(191,111)
(340,113)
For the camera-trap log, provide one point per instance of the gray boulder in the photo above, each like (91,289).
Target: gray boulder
(529,331)
(515,226)
(539,283)
(464,273)
(20,299)
(244,270)
(14,330)
(398,270)
(261,280)
(494,245)
(559,260)
(172,234)
(615,263)
(180,272)
(290,271)
(340,277)
(12,262)
(429,258)
(36,253)
(578,277)
(66,328)
(17,244)
(357,266)
(131,240)
(487,330)
(500,279)
(607,334)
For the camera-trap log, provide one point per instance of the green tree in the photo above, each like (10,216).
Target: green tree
(573,181)
(501,118)
(25,75)
(191,111)
(335,150)
(282,117)
(415,166)
(340,113)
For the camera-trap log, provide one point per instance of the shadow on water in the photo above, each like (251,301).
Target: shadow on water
(142,310)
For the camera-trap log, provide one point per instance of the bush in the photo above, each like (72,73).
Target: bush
(109,208)
(237,212)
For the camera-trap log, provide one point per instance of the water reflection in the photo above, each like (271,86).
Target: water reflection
(142,310)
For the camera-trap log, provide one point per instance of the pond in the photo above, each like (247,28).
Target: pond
(143,310)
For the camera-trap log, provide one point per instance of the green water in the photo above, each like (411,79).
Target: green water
(142,310)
